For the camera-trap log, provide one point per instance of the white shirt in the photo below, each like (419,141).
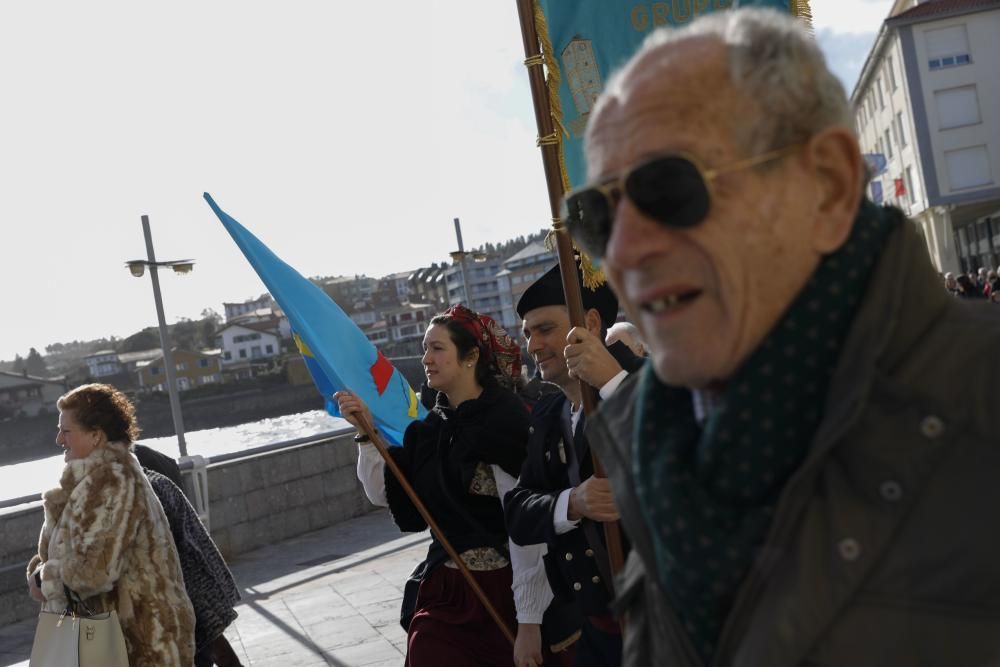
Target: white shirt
(560,515)
(532,593)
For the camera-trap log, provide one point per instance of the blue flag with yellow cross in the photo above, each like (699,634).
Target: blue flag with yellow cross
(336,352)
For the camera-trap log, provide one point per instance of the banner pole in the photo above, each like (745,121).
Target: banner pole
(567,262)
(369,429)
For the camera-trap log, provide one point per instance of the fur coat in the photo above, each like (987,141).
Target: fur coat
(106,537)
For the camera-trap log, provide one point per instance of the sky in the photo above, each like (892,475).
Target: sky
(346,136)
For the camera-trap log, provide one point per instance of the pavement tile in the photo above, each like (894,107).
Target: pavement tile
(342,632)
(368,653)
(327,598)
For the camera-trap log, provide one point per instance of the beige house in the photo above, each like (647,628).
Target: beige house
(193,369)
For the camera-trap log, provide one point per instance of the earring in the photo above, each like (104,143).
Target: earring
(468,365)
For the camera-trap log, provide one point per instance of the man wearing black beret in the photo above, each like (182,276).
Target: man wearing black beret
(557,501)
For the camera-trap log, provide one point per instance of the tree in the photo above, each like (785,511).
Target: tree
(35,365)
(147,339)
(19,366)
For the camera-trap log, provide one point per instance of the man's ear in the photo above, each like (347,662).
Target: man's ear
(834,160)
(592,320)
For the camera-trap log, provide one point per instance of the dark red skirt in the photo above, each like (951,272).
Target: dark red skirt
(452,627)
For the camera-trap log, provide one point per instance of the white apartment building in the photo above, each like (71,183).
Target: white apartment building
(928,101)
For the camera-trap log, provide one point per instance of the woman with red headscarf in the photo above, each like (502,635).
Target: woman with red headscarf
(460,460)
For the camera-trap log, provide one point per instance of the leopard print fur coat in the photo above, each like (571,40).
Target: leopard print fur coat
(105,536)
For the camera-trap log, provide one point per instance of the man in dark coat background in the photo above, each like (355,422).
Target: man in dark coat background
(557,500)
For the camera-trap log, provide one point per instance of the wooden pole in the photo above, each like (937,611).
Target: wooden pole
(369,429)
(567,262)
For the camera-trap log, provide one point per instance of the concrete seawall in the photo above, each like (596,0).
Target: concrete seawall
(254,500)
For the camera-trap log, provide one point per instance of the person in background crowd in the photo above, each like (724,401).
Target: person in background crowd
(557,500)
(626,333)
(981,277)
(967,289)
(951,284)
(460,460)
(992,284)
(795,464)
(105,535)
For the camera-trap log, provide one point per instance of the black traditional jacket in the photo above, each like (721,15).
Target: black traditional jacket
(443,457)
(571,563)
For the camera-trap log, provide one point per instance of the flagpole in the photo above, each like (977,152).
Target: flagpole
(567,262)
(369,429)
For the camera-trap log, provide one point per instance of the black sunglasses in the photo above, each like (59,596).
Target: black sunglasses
(674,190)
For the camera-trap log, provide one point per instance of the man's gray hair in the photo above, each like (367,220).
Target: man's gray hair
(773,60)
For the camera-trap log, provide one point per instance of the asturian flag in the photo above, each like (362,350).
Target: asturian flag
(336,352)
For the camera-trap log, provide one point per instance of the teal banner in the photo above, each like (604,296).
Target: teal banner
(592,38)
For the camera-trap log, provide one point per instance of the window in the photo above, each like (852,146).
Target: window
(243,353)
(255,352)
(901,134)
(182,366)
(269,349)
(957,107)
(888,145)
(154,370)
(890,72)
(227,355)
(968,167)
(947,47)
(908,174)
(203,363)
(878,87)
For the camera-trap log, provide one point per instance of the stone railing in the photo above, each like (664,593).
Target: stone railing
(256,498)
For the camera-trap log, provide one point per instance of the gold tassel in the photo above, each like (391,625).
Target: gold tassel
(800,9)
(592,276)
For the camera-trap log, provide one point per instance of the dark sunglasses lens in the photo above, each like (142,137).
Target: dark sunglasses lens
(670,190)
(588,220)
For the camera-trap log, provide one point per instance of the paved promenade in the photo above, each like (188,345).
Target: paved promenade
(326,598)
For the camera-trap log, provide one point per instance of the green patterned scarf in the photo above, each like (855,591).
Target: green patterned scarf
(708,493)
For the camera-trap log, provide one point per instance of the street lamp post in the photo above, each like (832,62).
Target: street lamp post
(461,260)
(137,267)
(460,255)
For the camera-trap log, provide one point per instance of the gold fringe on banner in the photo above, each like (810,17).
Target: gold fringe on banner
(800,9)
(592,276)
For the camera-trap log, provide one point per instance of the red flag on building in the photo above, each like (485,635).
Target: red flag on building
(900,187)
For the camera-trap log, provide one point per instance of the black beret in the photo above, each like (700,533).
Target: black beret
(548,291)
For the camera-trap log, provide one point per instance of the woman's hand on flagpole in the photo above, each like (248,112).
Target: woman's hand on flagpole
(350,406)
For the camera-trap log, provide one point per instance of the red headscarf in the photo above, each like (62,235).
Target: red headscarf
(500,348)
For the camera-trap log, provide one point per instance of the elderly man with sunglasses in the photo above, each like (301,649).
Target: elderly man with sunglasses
(801,465)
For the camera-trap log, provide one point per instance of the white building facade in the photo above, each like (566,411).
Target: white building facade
(928,101)
(103,363)
(242,344)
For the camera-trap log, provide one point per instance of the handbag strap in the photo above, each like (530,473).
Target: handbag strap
(75,604)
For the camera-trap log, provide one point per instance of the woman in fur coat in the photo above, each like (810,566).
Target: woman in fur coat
(105,535)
